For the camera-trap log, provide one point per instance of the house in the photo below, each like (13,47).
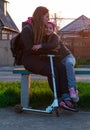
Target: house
(76,35)
(8,29)
(74,28)
(7,25)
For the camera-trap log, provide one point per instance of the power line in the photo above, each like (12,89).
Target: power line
(64,18)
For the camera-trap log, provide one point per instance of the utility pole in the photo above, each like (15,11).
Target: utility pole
(55,19)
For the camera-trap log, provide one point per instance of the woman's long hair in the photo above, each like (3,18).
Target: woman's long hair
(38,24)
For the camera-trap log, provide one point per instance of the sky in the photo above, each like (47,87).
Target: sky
(20,10)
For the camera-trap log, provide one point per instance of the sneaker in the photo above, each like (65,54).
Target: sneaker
(61,104)
(73,94)
(77,97)
(67,105)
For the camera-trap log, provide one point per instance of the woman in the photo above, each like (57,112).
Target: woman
(32,34)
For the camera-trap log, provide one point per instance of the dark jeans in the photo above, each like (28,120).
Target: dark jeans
(41,66)
(60,78)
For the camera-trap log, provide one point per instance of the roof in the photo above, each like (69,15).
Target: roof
(7,21)
(81,23)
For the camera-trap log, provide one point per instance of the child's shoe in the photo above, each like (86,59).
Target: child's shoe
(72,93)
(62,103)
(67,105)
(77,97)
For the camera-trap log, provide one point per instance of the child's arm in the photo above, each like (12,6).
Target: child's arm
(52,43)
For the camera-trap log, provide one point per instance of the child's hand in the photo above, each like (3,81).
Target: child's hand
(36,47)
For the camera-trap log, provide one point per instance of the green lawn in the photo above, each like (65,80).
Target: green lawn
(40,94)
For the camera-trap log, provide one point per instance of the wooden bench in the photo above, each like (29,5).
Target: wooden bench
(25,85)
(25,82)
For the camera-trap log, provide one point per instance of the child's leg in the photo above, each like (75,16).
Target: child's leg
(69,62)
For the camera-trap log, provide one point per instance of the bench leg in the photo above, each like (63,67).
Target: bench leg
(25,90)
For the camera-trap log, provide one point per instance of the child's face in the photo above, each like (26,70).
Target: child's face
(49,29)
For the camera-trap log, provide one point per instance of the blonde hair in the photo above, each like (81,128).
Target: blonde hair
(38,24)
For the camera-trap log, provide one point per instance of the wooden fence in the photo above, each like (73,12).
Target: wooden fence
(80,47)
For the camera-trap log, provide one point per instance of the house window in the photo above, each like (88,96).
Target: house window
(5,36)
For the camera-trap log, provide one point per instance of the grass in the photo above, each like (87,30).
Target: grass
(40,94)
(84,94)
(82,62)
(9,93)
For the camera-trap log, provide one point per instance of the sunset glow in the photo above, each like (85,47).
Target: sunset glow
(21,9)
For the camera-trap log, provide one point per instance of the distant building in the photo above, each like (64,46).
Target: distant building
(8,29)
(7,25)
(76,35)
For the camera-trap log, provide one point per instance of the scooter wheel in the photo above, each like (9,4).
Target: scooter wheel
(18,108)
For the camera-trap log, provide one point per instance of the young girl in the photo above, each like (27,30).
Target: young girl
(65,56)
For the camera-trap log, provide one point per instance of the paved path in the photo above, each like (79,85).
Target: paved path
(9,120)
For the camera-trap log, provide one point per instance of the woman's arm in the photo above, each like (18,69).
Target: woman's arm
(51,44)
(27,37)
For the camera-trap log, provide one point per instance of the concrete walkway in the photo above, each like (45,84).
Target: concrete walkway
(9,120)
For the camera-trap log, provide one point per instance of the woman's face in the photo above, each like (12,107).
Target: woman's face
(46,18)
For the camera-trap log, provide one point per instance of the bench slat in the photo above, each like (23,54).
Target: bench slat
(82,70)
(22,70)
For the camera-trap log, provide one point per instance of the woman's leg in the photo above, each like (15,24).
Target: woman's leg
(46,71)
(63,82)
(60,78)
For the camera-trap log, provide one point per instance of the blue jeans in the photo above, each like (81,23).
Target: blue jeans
(65,97)
(69,62)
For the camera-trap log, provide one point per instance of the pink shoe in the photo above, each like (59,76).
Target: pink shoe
(61,104)
(77,97)
(72,93)
(67,105)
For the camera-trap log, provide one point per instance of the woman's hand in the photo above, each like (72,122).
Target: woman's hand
(36,47)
